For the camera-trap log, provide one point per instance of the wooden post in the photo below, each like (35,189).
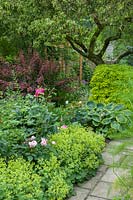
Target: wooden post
(80,68)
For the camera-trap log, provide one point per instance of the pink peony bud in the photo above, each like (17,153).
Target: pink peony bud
(39,91)
(43,141)
(32,144)
(32,137)
(63,126)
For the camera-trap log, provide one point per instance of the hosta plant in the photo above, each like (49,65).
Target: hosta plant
(104,119)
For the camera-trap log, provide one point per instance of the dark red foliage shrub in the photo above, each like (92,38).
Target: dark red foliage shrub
(31,71)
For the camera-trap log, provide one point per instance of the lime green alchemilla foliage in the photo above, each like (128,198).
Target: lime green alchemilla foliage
(54,179)
(18,181)
(89,26)
(75,156)
(113,83)
(79,152)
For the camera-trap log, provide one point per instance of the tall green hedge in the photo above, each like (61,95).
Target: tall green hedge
(112,83)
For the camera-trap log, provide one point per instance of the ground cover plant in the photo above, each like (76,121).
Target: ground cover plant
(67,157)
(105,119)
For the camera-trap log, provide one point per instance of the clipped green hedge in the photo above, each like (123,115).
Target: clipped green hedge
(112,83)
(74,157)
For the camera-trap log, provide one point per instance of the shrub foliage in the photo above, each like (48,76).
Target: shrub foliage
(112,83)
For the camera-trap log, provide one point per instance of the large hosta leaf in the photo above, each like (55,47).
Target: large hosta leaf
(91,104)
(120,118)
(118,107)
(115,125)
(95,123)
(106,121)
(100,106)
(96,118)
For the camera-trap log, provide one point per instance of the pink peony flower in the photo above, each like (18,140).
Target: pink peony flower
(32,137)
(63,126)
(32,144)
(43,141)
(53,142)
(39,91)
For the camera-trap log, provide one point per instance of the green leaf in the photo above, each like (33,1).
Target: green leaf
(96,118)
(100,106)
(95,123)
(115,125)
(109,106)
(118,107)
(106,121)
(121,119)
(30,158)
(91,104)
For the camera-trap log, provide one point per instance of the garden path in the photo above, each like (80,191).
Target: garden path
(101,187)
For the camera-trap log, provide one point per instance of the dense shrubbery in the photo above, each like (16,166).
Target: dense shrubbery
(74,156)
(18,181)
(21,118)
(78,150)
(31,71)
(38,141)
(112,83)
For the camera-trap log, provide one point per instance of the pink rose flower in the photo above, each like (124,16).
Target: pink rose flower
(39,91)
(43,141)
(64,126)
(32,144)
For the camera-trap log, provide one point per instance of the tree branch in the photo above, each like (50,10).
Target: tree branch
(71,41)
(122,55)
(80,44)
(107,41)
(95,35)
(97,22)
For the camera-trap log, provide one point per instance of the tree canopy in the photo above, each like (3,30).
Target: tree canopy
(89,26)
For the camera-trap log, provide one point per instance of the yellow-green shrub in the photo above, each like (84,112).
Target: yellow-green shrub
(54,182)
(79,151)
(112,83)
(18,181)
(74,156)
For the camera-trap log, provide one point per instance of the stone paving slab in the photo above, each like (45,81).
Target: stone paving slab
(105,190)
(81,194)
(110,159)
(128,161)
(91,183)
(94,198)
(112,174)
(103,168)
